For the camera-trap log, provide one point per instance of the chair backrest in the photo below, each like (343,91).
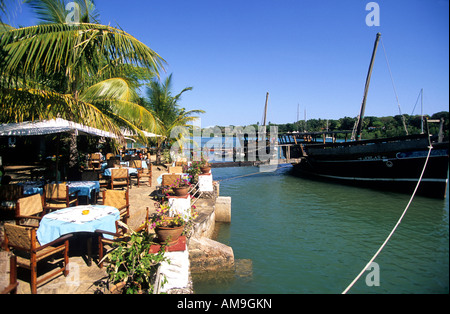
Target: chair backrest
(10,192)
(169,179)
(95,156)
(109,155)
(119,173)
(176,169)
(112,161)
(115,198)
(56,190)
(29,206)
(136,164)
(19,237)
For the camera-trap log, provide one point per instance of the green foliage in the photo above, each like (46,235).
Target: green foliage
(132,264)
(373,127)
(85,72)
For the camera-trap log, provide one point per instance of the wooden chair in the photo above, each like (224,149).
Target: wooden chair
(176,169)
(57,196)
(180,163)
(109,155)
(8,273)
(95,161)
(142,172)
(29,252)
(89,175)
(119,199)
(29,207)
(103,181)
(119,236)
(102,242)
(112,162)
(167,181)
(9,194)
(119,178)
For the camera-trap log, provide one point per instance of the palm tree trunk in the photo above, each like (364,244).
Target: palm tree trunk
(73,170)
(158,152)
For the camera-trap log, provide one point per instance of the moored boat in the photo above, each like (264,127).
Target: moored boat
(391,163)
(394,163)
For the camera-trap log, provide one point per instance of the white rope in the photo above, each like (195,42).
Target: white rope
(395,227)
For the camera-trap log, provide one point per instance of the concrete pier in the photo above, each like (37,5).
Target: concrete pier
(223,209)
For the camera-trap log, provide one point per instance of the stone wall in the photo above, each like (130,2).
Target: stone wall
(206,254)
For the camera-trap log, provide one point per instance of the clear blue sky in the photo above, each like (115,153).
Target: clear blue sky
(314,53)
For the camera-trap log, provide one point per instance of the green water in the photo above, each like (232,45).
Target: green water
(304,236)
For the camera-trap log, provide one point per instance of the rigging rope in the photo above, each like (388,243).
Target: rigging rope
(393,86)
(395,227)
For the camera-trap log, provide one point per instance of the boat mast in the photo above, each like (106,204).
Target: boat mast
(366,89)
(421,111)
(265,109)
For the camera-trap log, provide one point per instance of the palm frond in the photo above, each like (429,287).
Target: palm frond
(55,47)
(49,11)
(18,105)
(110,89)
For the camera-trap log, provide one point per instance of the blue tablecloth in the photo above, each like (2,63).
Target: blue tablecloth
(84,188)
(104,165)
(71,219)
(32,187)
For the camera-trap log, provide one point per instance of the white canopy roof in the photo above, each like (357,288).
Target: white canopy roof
(43,127)
(128,133)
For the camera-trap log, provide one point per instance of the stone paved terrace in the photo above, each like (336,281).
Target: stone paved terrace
(90,280)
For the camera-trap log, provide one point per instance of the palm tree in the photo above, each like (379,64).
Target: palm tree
(165,107)
(83,72)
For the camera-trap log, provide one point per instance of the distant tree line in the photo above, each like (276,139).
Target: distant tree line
(373,127)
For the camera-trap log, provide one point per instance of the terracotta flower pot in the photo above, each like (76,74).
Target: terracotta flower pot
(181,191)
(205,169)
(168,235)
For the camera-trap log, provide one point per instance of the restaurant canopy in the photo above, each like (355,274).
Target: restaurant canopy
(43,127)
(127,133)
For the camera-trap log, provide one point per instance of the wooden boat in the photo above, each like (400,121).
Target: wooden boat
(394,163)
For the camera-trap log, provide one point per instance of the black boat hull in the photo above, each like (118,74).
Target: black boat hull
(394,166)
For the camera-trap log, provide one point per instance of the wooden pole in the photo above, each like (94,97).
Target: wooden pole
(366,89)
(265,109)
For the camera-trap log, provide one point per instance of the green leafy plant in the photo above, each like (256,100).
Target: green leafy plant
(132,268)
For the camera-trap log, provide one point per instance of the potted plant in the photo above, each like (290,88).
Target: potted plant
(132,268)
(205,166)
(193,170)
(181,187)
(168,226)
